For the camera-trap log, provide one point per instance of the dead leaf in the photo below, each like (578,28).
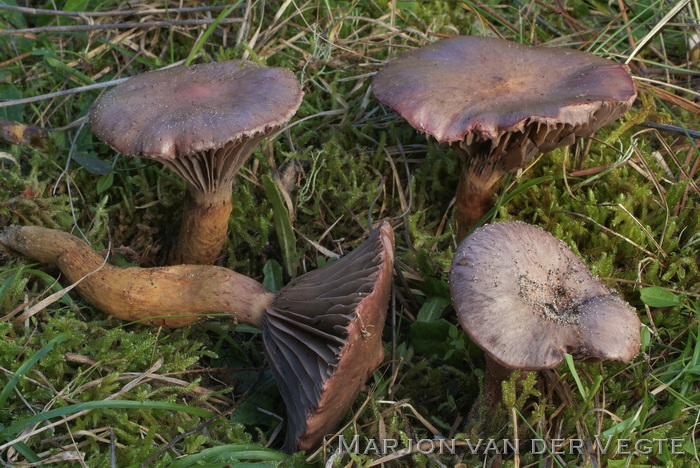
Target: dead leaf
(19,134)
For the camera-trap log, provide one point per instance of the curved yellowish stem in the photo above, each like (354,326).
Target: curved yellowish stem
(171,296)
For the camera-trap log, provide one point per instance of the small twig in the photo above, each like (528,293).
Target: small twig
(17,102)
(79,89)
(671,128)
(529,11)
(78,14)
(92,27)
(16,58)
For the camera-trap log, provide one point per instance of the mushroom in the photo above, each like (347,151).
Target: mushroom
(498,103)
(323,337)
(321,332)
(526,299)
(203,122)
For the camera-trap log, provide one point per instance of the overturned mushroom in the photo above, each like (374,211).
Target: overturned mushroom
(203,122)
(498,103)
(323,338)
(526,299)
(322,332)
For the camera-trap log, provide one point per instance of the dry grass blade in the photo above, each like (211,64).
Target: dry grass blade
(41,305)
(203,425)
(614,233)
(667,96)
(65,92)
(87,14)
(657,28)
(138,380)
(97,27)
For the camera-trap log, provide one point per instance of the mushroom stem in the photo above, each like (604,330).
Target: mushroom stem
(472,203)
(204,227)
(474,197)
(170,296)
(496,374)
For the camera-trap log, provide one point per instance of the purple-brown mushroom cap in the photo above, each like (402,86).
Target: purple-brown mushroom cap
(323,337)
(179,111)
(517,99)
(526,299)
(202,122)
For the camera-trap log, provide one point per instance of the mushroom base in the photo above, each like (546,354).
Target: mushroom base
(170,296)
(496,374)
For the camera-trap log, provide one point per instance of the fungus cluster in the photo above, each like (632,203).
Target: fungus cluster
(520,293)
(498,103)
(202,122)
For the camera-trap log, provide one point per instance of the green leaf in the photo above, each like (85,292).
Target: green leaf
(4,287)
(283,226)
(68,71)
(272,275)
(432,309)
(624,427)
(264,396)
(93,164)
(26,452)
(431,338)
(75,5)
(10,93)
(105,182)
(16,19)
(646,338)
(51,282)
(655,296)
(434,285)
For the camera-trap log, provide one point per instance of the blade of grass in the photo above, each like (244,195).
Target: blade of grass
(283,226)
(572,368)
(210,29)
(657,29)
(620,33)
(26,452)
(540,437)
(26,365)
(230,453)
(491,214)
(69,72)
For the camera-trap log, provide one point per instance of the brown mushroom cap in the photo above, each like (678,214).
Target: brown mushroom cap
(179,111)
(526,299)
(499,103)
(482,88)
(323,337)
